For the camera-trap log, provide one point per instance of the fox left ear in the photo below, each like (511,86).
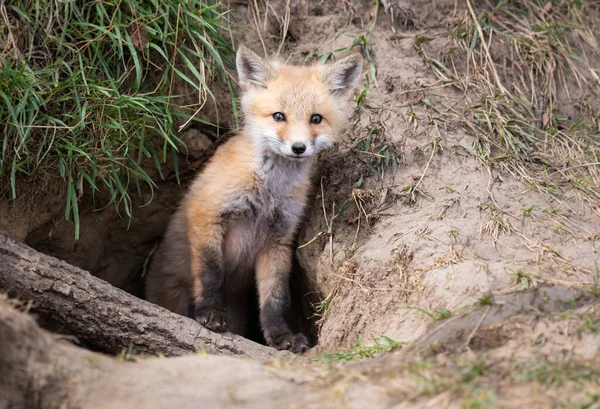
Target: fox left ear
(251,68)
(343,75)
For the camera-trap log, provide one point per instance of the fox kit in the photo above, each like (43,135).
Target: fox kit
(235,227)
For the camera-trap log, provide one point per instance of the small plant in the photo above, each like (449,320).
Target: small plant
(484,300)
(527,212)
(523,279)
(438,315)
(126,354)
(481,400)
(453,233)
(323,306)
(473,370)
(547,372)
(596,288)
(381,344)
(375,151)
(589,324)
(443,314)
(371,75)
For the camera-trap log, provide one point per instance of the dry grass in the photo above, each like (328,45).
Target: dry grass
(529,73)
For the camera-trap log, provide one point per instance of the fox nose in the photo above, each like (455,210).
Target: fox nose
(298,148)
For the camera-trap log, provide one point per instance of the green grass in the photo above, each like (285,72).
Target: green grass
(371,75)
(483,381)
(381,344)
(323,306)
(557,372)
(595,289)
(375,151)
(85,91)
(480,400)
(590,323)
(126,354)
(485,300)
(438,315)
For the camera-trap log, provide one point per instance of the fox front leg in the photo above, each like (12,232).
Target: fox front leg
(272,274)
(208,278)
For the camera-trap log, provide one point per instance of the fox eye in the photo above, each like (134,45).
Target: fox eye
(278,117)
(316,119)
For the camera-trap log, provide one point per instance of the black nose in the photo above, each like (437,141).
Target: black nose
(298,148)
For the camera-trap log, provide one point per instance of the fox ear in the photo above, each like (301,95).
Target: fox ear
(343,75)
(252,69)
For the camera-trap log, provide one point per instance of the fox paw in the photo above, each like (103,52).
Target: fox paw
(212,319)
(297,343)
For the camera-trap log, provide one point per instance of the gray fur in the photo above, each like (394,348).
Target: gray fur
(257,217)
(168,268)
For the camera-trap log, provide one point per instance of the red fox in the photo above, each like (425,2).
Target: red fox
(235,227)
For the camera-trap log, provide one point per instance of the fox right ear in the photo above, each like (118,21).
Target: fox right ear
(252,69)
(344,75)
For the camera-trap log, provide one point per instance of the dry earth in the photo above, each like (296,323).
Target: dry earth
(485,281)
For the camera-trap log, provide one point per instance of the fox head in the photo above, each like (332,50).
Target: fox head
(295,111)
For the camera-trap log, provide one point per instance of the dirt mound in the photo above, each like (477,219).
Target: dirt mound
(404,216)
